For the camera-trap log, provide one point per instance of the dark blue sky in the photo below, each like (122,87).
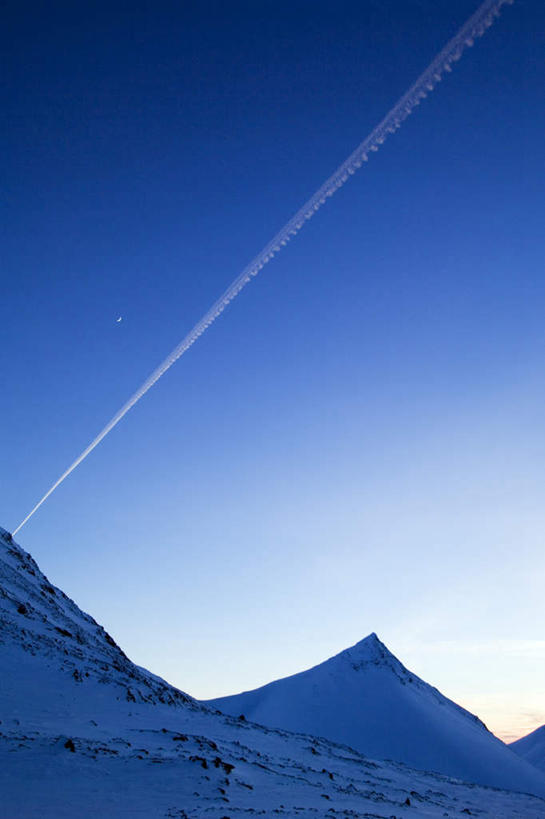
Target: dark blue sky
(366,417)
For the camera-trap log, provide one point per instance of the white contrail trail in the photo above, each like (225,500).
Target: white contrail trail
(475,27)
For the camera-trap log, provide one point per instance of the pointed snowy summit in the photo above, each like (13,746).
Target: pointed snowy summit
(365,698)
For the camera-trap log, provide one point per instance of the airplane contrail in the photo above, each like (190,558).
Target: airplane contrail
(473,28)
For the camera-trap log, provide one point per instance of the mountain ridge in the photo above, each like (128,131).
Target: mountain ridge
(532,748)
(49,622)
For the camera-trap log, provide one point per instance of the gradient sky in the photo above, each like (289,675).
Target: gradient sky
(357,444)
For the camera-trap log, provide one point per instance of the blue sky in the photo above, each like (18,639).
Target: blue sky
(357,445)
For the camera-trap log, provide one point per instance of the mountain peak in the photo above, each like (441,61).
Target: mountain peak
(369,645)
(371,639)
(369,651)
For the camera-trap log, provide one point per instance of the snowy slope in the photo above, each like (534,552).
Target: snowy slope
(41,618)
(84,732)
(532,748)
(364,697)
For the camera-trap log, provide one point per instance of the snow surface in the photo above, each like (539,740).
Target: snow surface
(532,748)
(364,697)
(84,732)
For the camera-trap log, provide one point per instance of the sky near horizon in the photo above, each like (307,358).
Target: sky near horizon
(357,444)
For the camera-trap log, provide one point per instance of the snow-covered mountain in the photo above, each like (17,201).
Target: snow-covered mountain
(532,748)
(365,698)
(84,732)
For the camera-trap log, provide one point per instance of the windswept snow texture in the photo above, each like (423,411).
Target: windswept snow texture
(532,748)
(364,697)
(84,732)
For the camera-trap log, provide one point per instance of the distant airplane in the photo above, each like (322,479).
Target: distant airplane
(119,318)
